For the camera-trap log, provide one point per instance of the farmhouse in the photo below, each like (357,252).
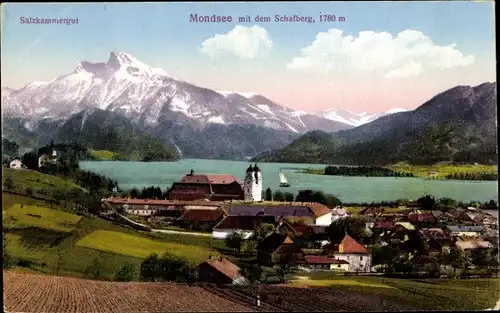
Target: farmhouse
(220,271)
(17,164)
(204,219)
(316,213)
(349,250)
(277,249)
(325,262)
(465,231)
(338,213)
(130,205)
(469,244)
(243,225)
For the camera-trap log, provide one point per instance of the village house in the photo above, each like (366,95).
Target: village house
(219,270)
(469,244)
(465,231)
(436,239)
(278,249)
(325,262)
(16,164)
(203,219)
(45,159)
(422,218)
(243,225)
(349,250)
(339,213)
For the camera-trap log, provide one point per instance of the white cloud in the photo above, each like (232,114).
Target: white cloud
(242,41)
(409,53)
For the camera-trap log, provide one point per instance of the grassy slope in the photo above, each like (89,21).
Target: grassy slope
(105,155)
(27,178)
(443,169)
(41,241)
(141,247)
(423,171)
(424,294)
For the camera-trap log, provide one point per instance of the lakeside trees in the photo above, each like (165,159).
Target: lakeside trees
(368,171)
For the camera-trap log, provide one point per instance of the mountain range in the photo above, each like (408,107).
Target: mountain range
(457,125)
(196,121)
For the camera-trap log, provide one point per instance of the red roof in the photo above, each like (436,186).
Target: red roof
(429,217)
(222,179)
(351,246)
(202,215)
(161,202)
(384,224)
(243,222)
(225,267)
(323,259)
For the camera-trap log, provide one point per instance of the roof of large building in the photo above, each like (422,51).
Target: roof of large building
(225,267)
(223,179)
(243,222)
(113,200)
(288,209)
(200,215)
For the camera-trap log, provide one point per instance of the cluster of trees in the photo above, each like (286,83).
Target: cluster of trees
(368,171)
(306,195)
(10,150)
(146,193)
(393,260)
(473,176)
(236,242)
(155,268)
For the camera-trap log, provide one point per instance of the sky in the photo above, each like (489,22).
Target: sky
(372,57)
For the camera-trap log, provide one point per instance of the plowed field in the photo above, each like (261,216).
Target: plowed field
(25,292)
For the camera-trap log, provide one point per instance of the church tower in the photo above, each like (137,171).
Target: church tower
(252,186)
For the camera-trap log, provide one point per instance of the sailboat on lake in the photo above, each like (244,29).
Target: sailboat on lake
(283,180)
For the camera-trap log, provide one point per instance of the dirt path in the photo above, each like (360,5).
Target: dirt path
(167,231)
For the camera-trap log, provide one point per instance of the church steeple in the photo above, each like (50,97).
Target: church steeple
(249,169)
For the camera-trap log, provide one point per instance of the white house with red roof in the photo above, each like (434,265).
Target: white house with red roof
(358,256)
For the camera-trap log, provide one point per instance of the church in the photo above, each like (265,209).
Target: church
(218,187)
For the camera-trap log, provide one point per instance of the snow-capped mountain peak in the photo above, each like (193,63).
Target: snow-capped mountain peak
(395,110)
(354,119)
(247,95)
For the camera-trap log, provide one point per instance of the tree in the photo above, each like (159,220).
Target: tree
(95,270)
(253,273)
(268,194)
(29,191)
(261,231)
(427,202)
(457,259)
(306,195)
(234,241)
(9,183)
(279,196)
(284,269)
(288,196)
(151,268)
(126,273)
(134,193)
(351,225)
